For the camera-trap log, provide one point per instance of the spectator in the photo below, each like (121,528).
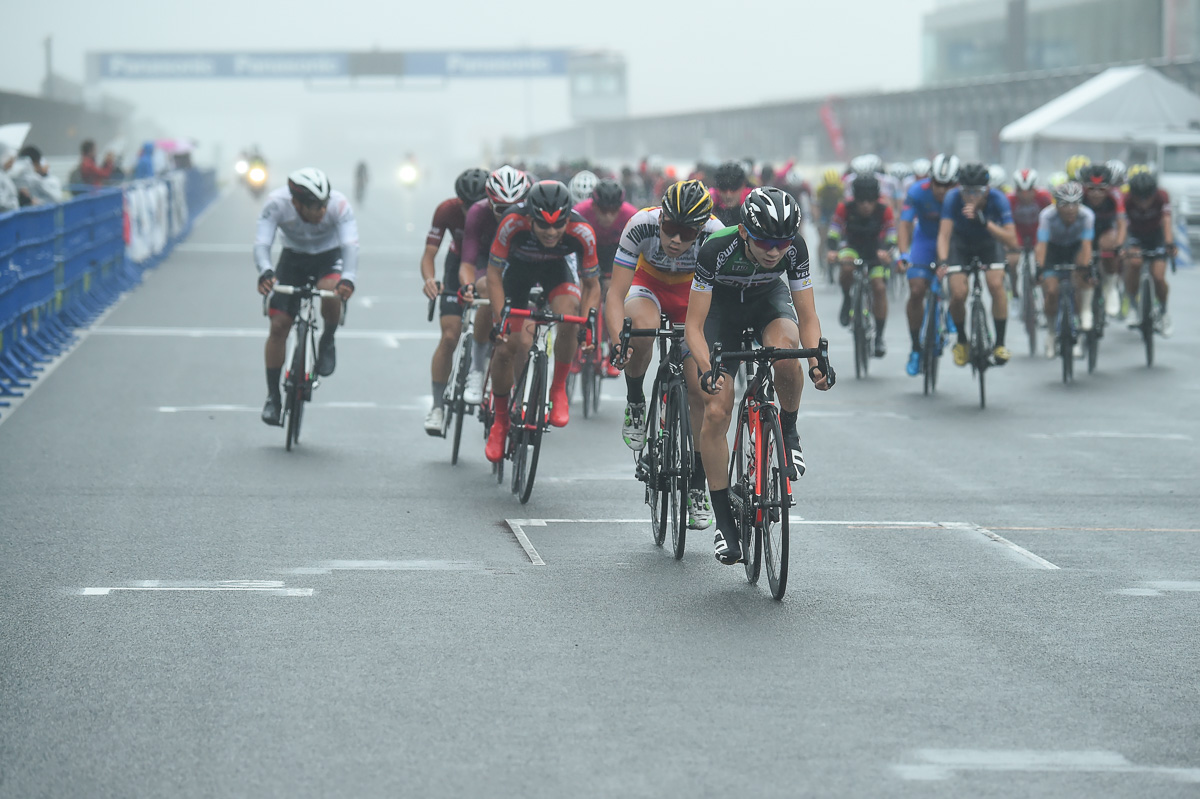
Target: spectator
(145,162)
(8,194)
(89,171)
(33,180)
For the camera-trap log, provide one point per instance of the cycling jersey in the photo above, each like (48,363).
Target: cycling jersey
(478,233)
(729,214)
(337,229)
(607,236)
(449,216)
(722,261)
(1110,210)
(921,207)
(1053,230)
(517,246)
(1145,221)
(641,249)
(863,234)
(828,197)
(974,231)
(1026,215)
(889,188)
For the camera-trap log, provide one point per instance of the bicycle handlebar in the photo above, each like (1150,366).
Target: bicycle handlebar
(304,291)
(628,331)
(771,354)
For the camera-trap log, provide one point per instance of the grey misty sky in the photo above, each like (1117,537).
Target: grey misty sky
(681,56)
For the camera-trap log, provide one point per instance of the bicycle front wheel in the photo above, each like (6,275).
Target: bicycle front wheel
(679,466)
(1029,307)
(652,457)
(296,380)
(535,417)
(861,356)
(588,386)
(776,503)
(743,468)
(1146,301)
(929,344)
(980,352)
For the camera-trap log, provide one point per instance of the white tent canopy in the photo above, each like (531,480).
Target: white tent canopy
(1119,104)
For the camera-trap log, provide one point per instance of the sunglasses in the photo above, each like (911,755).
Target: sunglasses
(770,244)
(313,206)
(974,191)
(500,210)
(562,223)
(684,232)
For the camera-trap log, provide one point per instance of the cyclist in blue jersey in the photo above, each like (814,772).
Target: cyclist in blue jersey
(976,220)
(920,221)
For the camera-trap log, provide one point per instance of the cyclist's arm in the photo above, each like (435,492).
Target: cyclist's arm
(1005,234)
(904,235)
(1168,228)
(945,229)
(348,239)
(495,275)
(591,294)
(1085,253)
(429,270)
(810,323)
(1039,254)
(264,237)
(699,302)
(614,304)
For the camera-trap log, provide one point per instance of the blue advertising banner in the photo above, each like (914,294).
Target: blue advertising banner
(486,64)
(167,66)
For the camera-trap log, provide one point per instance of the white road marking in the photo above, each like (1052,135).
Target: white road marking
(517,525)
(330,566)
(1160,587)
(386,336)
(1112,434)
(221,408)
(941,764)
(1037,560)
(269,587)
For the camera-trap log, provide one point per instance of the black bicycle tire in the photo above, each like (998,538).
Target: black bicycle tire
(460,410)
(534,437)
(295,399)
(1097,332)
(1146,303)
(585,383)
(1066,337)
(597,378)
(865,300)
(740,476)
(516,429)
(859,332)
(979,348)
(1029,307)
(680,445)
(655,497)
(775,476)
(929,344)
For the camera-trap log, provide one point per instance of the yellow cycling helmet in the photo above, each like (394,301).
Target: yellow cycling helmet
(1136,169)
(1076,163)
(832,176)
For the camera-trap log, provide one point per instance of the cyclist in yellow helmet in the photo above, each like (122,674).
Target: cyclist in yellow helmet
(1076,163)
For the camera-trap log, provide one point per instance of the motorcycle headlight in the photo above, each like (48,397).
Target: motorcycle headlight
(257,175)
(409,174)
(240,167)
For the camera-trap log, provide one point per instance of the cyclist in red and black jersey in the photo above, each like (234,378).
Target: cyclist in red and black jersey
(1027,202)
(531,247)
(864,229)
(729,192)
(1150,227)
(450,216)
(1108,205)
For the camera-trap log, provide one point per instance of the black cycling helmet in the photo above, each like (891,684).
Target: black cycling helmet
(771,213)
(1143,184)
(730,176)
(608,195)
(470,184)
(549,201)
(1095,176)
(865,187)
(687,203)
(975,174)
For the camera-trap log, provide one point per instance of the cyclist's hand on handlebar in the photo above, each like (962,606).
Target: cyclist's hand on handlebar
(902,264)
(822,380)
(942,268)
(497,335)
(266,282)
(466,294)
(712,381)
(620,356)
(345,288)
(431,288)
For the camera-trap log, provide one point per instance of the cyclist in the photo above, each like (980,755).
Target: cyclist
(360,181)
(920,169)
(729,191)
(976,219)
(737,285)
(450,215)
(1064,240)
(504,189)
(918,232)
(1150,227)
(582,184)
(864,229)
(1027,202)
(1074,164)
(1117,170)
(531,246)
(320,245)
(607,212)
(997,177)
(1108,205)
(654,268)
(829,195)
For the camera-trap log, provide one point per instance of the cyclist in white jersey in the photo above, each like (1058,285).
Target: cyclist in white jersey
(320,246)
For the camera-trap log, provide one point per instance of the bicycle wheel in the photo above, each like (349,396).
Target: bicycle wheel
(743,467)
(979,348)
(296,380)
(1097,332)
(929,342)
(860,332)
(585,381)
(652,457)
(678,466)
(776,503)
(1029,307)
(597,377)
(535,416)
(1146,305)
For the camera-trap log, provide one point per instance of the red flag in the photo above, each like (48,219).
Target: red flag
(833,129)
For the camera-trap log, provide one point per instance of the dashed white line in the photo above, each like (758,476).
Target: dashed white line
(941,764)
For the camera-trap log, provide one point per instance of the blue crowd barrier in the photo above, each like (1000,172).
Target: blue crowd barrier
(62,265)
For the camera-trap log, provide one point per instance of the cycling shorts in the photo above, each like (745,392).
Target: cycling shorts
(671,298)
(733,312)
(877,268)
(301,268)
(989,252)
(555,278)
(1060,260)
(921,258)
(605,253)
(1151,242)
(450,305)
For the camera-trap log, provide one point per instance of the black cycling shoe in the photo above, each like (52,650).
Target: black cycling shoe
(327,359)
(791,440)
(272,410)
(728,550)
(844,314)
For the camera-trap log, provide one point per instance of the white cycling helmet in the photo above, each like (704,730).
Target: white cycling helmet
(921,167)
(309,185)
(507,185)
(944,169)
(1117,168)
(996,176)
(899,170)
(582,184)
(1025,179)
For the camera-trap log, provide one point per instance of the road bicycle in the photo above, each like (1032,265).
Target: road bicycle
(665,463)
(933,334)
(591,372)
(1147,303)
(760,477)
(455,403)
(1031,300)
(862,321)
(301,376)
(1065,326)
(979,330)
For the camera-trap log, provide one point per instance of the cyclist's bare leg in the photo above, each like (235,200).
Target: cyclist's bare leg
(444,353)
(1158,273)
(1050,301)
(505,355)
(846,276)
(958,302)
(995,284)
(645,314)
(276,349)
(483,314)
(1011,260)
(917,287)
(1133,272)
(714,449)
(879,290)
(331,307)
(788,377)
(565,336)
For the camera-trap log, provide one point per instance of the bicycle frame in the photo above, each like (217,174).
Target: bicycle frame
(301,378)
